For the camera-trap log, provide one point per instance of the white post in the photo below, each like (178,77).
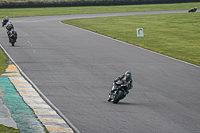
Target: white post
(140,32)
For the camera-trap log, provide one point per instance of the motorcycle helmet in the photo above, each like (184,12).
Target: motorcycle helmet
(127,75)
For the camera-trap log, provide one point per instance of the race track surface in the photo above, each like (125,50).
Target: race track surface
(75,70)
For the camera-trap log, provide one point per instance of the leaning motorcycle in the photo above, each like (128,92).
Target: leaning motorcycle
(12,39)
(4,23)
(193,10)
(120,92)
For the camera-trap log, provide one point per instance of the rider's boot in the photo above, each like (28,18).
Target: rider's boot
(109,98)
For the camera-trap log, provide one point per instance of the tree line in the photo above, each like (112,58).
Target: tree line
(70,3)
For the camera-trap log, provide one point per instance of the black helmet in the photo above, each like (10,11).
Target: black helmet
(127,75)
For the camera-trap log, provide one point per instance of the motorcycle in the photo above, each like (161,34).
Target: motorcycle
(5,21)
(193,9)
(9,27)
(12,39)
(120,92)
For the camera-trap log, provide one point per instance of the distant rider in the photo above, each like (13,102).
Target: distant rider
(195,9)
(6,19)
(125,78)
(9,26)
(11,34)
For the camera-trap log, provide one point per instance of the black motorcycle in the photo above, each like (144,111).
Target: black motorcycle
(9,27)
(193,9)
(120,92)
(12,39)
(4,22)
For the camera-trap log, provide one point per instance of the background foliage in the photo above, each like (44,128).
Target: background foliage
(67,3)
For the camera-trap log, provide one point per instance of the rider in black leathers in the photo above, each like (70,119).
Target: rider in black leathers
(9,27)
(5,20)
(193,9)
(124,78)
(12,32)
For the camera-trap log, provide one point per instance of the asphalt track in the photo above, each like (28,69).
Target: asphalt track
(75,69)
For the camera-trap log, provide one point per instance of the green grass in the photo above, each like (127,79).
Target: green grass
(3,62)
(175,35)
(24,12)
(5,129)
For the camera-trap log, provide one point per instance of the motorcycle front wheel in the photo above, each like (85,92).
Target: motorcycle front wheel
(13,42)
(119,97)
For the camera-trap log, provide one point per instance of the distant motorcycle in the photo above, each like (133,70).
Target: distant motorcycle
(120,92)
(9,27)
(12,36)
(5,21)
(193,9)
(12,39)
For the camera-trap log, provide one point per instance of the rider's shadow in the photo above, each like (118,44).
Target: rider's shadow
(126,103)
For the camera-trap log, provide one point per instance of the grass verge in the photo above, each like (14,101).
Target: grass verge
(25,12)
(3,62)
(175,35)
(5,129)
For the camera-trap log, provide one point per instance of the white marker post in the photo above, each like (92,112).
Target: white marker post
(140,32)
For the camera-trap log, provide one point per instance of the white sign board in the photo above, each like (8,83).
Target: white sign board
(140,32)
